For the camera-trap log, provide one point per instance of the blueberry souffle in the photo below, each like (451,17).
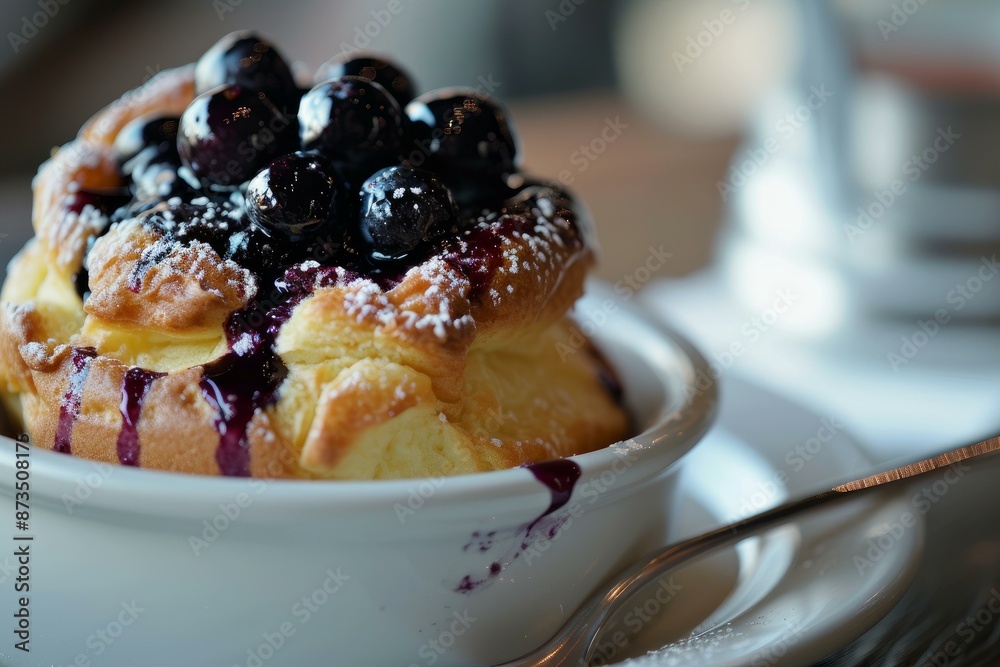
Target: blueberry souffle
(237,274)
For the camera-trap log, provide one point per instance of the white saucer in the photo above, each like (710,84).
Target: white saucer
(797,594)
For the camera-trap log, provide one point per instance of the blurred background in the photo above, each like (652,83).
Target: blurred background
(561,76)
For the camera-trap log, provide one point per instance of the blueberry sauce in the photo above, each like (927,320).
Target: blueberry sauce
(246,378)
(72,398)
(153,256)
(482,542)
(480,260)
(104,203)
(135,385)
(560,477)
(478,253)
(606,375)
(468,584)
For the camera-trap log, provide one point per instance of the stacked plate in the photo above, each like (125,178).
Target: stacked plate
(865,199)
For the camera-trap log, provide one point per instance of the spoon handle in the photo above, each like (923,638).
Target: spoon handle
(571,646)
(573,643)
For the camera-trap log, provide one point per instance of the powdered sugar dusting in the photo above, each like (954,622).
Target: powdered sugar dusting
(35,353)
(701,649)
(434,312)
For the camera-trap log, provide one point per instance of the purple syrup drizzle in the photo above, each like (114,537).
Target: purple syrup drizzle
(151,257)
(560,476)
(135,385)
(246,378)
(105,201)
(468,584)
(69,410)
(606,375)
(481,260)
(483,542)
(478,254)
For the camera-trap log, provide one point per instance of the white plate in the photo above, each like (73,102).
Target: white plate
(797,594)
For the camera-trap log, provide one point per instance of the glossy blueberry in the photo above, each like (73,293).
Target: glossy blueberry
(458,129)
(402,209)
(100,208)
(146,150)
(211,219)
(152,135)
(228,134)
(370,67)
(248,60)
(294,197)
(354,122)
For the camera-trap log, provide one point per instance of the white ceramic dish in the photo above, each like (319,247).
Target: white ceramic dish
(135,567)
(796,595)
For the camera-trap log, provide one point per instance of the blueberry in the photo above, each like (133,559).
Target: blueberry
(354,122)
(370,67)
(248,60)
(458,129)
(294,197)
(253,249)
(146,150)
(402,209)
(229,133)
(211,219)
(152,135)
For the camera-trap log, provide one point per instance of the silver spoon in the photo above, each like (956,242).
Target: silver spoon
(574,644)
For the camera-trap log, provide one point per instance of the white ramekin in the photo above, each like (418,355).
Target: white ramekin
(137,567)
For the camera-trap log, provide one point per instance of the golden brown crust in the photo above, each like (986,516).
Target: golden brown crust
(88,162)
(138,279)
(447,371)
